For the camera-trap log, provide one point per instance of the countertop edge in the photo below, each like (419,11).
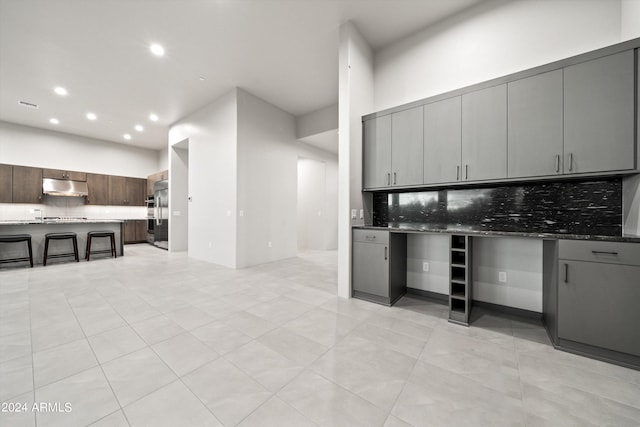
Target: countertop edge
(550,236)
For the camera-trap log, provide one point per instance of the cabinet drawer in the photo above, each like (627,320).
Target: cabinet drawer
(607,252)
(371,236)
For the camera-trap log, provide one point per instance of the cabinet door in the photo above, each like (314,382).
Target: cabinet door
(53,173)
(442,141)
(598,305)
(6,183)
(76,176)
(98,186)
(535,125)
(141,230)
(377,152)
(27,185)
(599,114)
(129,231)
(117,190)
(135,192)
(484,134)
(406,147)
(371,268)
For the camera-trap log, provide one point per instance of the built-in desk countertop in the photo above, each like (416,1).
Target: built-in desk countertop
(627,238)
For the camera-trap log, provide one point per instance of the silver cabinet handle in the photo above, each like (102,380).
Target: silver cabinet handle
(566,273)
(388,179)
(394,178)
(458,173)
(557,162)
(370,237)
(466,171)
(386,253)
(570,162)
(604,253)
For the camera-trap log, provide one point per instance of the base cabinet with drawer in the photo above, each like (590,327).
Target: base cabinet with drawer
(379,266)
(596,290)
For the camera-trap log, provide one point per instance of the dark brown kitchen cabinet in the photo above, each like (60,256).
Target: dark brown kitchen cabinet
(117,190)
(6,180)
(98,186)
(152,179)
(63,174)
(136,191)
(135,231)
(27,184)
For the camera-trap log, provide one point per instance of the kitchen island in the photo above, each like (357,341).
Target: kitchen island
(38,229)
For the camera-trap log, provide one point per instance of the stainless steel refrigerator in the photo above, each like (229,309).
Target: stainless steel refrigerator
(161,214)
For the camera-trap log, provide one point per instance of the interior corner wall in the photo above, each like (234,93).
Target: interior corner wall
(163,160)
(29,146)
(212,135)
(267,182)
(355,98)
(491,40)
(179,179)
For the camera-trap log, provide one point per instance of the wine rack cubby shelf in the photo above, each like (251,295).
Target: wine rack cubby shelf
(460,283)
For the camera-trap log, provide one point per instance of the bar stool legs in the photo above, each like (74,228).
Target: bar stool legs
(16,238)
(112,238)
(60,236)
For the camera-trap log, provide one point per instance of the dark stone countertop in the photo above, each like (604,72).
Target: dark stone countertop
(627,238)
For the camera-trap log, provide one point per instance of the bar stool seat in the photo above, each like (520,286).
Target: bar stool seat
(17,238)
(112,237)
(60,236)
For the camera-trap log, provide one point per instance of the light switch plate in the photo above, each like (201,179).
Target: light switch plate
(361,213)
(354,214)
(502,276)
(425,266)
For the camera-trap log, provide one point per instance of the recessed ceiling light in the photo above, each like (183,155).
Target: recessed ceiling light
(54,121)
(139,128)
(153,117)
(156,49)
(126,136)
(60,90)
(91,116)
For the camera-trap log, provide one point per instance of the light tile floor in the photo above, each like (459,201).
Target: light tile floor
(158,339)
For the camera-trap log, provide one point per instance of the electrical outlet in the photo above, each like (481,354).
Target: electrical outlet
(502,276)
(354,214)
(270,244)
(361,213)
(241,213)
(425,266)
(228,213)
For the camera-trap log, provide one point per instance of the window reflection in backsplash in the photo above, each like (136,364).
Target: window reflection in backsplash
(590,207)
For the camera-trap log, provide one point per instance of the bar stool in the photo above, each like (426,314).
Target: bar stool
(17,238)
(60,236)
(110,234)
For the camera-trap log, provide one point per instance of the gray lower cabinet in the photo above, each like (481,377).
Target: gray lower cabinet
(377,152)
(442,141)
(379,266)
(406,147)
(484,134)
(591,298)
(599,114)
(535,126)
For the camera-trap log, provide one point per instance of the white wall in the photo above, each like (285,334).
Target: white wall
(317,122)
(28,146)
(212,135)
(317,204)
(267,182)
(490,41)
(355,98)
(178,196)
(630,19)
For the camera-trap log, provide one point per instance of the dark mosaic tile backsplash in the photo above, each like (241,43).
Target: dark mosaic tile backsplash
(585,208)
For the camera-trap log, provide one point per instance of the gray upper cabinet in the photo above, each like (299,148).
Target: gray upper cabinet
(599,122)
(535,126)
(484,134)
(377,152)
(406,147)
(442,141)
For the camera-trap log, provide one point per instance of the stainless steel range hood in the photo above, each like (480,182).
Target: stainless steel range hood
(64,187)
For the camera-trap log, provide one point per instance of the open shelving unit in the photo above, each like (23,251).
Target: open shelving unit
(459,279)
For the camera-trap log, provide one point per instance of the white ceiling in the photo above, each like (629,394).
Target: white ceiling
(284,51)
